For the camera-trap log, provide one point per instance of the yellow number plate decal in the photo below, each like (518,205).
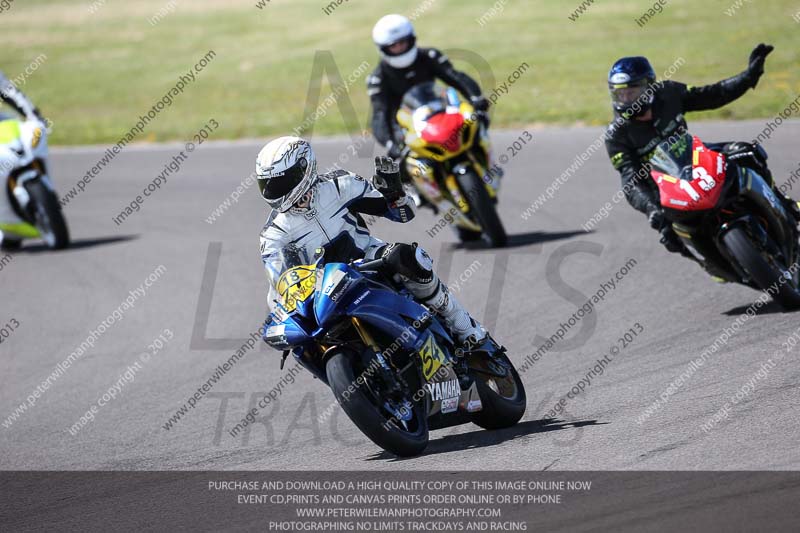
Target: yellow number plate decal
(432,358)
(37,136)
(296,285)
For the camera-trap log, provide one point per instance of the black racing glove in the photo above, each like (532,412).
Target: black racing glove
(655,216)
(757,58)
(387,179)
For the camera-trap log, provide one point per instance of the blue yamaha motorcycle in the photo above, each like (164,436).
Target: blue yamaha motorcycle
(392,366)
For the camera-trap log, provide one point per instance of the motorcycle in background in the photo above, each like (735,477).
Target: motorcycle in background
(729,217)
(447,160)
(33,199)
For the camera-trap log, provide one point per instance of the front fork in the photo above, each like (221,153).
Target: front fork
(391,378)
(18,182)
(21,206)
(21,194)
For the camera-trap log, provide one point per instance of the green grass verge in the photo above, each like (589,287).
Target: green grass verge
(102,70)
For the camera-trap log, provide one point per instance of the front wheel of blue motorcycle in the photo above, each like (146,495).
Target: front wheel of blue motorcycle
(398,426)
(500,388)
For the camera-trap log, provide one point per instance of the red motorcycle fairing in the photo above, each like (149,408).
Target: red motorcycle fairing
(444,129)
(702,191)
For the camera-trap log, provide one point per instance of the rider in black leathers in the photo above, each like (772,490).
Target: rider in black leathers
(404,65)
(648,112)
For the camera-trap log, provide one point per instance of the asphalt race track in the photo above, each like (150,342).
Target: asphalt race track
(210,295)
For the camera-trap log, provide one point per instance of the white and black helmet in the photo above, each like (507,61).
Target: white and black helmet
(392,30)
(286,169)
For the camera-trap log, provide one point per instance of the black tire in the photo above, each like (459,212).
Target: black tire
(765,274)
(368,417)
(48,217)
(503,400)
(10,245)
(484,210)
(467,235)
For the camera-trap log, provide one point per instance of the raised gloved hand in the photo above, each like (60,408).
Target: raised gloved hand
(387,178)
(757,58)
(655,216)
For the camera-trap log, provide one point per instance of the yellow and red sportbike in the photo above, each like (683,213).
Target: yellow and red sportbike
(447,160)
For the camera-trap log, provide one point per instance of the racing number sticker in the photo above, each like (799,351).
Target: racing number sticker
(37,136)
(296,285)
(432,357)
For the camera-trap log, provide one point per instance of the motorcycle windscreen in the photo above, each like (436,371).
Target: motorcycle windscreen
(689,176)
(425,95)
(421,103)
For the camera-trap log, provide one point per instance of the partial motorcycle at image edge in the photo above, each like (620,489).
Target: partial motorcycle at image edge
(721,204)
(391,364)
(447,160)
(31,194)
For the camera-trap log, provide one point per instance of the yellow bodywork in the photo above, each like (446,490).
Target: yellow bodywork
(423,153)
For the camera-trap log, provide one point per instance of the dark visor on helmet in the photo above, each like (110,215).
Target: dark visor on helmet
(394,49)
(628,93)
(278,185)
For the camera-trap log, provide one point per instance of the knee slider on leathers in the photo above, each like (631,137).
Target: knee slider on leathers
(409,261)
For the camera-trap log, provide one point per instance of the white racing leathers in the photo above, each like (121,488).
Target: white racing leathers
(334,222)
(15,98)
(20,142)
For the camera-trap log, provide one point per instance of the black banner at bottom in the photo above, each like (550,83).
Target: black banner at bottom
(406,501)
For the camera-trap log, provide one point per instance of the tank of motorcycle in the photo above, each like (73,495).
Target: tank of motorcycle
(754,186)
(398,316)
(346,292)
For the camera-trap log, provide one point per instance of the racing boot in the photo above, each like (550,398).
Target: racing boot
(467,331)
(8,242)
(415,270)
(416,167)
(495,175)
(419,200)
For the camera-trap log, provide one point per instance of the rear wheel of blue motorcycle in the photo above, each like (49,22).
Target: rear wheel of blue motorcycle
(764,273)
(363,407)
(467,235)
(503,398)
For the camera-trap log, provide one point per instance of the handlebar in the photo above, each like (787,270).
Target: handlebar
(375,264)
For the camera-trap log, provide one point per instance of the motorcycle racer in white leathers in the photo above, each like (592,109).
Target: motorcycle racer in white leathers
(12,136)
(314,211)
